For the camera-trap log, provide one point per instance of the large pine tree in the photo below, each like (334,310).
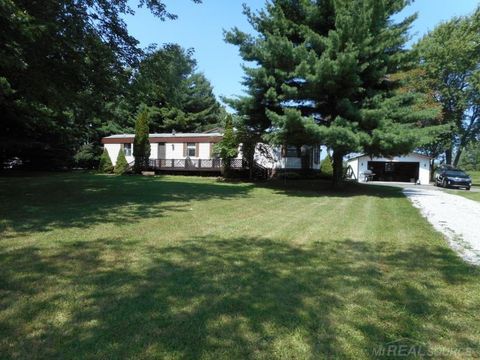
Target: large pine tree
(181,98)
(324,73)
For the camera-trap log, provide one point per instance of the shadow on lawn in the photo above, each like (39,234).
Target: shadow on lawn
(42,203)
(226,298)
(80,200)
(319,187)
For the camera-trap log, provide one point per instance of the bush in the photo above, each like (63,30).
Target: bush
(326,167)
(105,165)
(88,156)
(121,166)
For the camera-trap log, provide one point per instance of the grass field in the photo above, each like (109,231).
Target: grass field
(472,194)
(475,177)
(112,267)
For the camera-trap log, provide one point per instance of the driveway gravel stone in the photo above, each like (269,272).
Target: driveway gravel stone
(456,217)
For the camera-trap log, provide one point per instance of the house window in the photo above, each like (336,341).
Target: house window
(316,154)
(191,149)
(128,149)
(292,151)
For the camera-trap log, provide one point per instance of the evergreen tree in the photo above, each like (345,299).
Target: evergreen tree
(88,156)
(227,148)
(121,166)
(200,104)
(181,99)
(141,143)
(324,74)
(105,165)
(326,167)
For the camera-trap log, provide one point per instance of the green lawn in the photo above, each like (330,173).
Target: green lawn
(472,194)
(475,177)
(106,267)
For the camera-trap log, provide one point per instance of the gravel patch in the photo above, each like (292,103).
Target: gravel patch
(456,217)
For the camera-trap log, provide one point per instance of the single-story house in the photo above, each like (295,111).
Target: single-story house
(195,152)
(413,168)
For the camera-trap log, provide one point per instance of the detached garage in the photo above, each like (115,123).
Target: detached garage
(409,168)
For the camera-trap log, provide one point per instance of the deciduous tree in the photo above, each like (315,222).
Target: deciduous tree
(227,148)
(450,58)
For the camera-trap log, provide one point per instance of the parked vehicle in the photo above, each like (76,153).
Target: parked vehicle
(442,168)
(451,177)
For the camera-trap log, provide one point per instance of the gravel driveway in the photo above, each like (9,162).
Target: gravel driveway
(456,217)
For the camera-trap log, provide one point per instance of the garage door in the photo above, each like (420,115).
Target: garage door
(394,171)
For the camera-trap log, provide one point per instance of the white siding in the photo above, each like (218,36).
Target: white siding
(271,158)
(289,163)
(274,158)
(174,151)
(153,151)
(204,151)
(113,150)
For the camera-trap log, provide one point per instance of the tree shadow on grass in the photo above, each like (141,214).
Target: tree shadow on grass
(319,187)
(228,298)
(76,200)
(43,203)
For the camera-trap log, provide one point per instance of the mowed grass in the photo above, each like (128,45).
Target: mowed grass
(475,175)
(170,267)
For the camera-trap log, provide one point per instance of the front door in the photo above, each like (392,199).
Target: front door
(161,151)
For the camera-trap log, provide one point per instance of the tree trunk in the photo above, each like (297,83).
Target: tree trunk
(251,162)
(337,181)
(432,169)
(457,156)
(448,156)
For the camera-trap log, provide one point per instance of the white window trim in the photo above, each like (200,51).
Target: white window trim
(192,146)
(130,149)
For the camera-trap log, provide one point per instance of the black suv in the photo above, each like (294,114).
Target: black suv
(451,177)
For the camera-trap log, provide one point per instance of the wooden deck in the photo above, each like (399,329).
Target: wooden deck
(193,164)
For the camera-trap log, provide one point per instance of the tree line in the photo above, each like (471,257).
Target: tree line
(331,72)
(70,73)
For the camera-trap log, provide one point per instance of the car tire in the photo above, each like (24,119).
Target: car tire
(467,188)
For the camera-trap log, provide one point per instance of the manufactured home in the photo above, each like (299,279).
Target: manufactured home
(414,168)
(195,152)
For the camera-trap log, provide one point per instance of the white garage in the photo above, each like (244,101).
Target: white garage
(408,168)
